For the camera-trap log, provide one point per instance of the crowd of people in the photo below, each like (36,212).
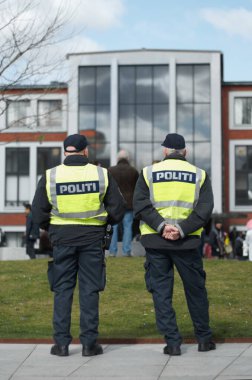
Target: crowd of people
(220,244)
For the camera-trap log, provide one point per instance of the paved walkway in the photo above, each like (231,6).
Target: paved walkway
(231,361)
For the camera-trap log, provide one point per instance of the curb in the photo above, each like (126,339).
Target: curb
(121,340)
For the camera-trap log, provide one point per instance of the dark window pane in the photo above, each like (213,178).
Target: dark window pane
(202,154)
(249,157)
(17,161)
(86,117)
(241,189)
(87,85)
(184,84)
(47,158)
(103,155)
(127,123)
(201,83)
(146,119)
(202,122)
(240,157)
(161,84)
(127,83)
(144,123)
(243,111)
(50,113)
(18,113)
(190,151)
(185,121)
(158,151)
(11,161)
(143,84)
(17,185)
(103,85)
(143,155)
(161,122)
(23,160)
(103,120)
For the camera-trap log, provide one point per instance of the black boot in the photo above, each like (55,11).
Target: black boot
(59,350)
(96,349)
(208,346)
(172,350)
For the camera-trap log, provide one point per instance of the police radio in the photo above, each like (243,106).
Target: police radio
(108,236)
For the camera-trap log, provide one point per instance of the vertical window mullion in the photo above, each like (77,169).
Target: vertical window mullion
(18,175)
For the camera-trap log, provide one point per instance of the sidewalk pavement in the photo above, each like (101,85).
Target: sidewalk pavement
(230,361)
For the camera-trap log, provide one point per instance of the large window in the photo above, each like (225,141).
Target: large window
(47,158)
(143,111)
(50,114)
(243,111)
(243,175)
(17,113)
(193,112)
(94,110)
(17,185)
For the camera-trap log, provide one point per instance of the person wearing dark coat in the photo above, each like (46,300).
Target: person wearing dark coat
(32,232)
(216,240)
(174,201)
(75,202)
(126,177)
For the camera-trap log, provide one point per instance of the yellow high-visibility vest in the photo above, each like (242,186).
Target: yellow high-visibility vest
(174,187)
(76,194)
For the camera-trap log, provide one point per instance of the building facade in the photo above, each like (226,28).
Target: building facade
(237,152)
(130,100)
(33,124)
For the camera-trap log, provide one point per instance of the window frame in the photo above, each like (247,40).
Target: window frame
(51,127)
(32,115)
(32,169)
(138,105)
(232,205)
(231,100)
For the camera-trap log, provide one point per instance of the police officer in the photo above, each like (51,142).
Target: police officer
(174,200)
(75,201)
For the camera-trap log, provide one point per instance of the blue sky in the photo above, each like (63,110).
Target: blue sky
(224,25)
(95,25)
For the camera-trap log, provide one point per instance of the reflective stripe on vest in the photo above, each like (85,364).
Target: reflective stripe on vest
(182,175)
(96,216)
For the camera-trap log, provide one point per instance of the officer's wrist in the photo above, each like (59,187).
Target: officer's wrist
(161,227)
(180,231)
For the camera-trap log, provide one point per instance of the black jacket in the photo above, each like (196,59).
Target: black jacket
(32,228)
(144,210)
(126,177)
(75,235)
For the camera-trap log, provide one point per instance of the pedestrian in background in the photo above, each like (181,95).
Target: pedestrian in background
(217,240)
(3,241)
(75,201)
(32,232)
(126,177)
(174,200)
(248,240)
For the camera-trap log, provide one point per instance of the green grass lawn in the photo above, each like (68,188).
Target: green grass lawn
(126,308)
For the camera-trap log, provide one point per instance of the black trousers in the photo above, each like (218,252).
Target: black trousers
(88,263)
(30,250)
(159,279)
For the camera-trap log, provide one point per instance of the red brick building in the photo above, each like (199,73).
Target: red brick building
(237,152)
(33,124)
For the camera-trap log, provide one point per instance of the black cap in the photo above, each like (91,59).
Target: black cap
(174,141)
(79,142)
